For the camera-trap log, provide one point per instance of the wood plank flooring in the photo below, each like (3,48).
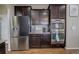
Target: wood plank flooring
(40,51)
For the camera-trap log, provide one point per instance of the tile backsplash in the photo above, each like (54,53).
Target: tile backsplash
(39,28)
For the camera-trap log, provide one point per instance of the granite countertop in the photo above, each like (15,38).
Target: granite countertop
(1,41)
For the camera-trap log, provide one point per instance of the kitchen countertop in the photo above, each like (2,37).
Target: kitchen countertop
(39,33)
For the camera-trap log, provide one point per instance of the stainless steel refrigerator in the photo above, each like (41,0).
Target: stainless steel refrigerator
(20,28)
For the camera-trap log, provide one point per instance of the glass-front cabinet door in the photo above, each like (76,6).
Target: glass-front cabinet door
(44,17)
(35,17)
(57,30)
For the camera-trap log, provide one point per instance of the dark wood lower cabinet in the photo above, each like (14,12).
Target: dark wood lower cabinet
(57,45)
(34,40)
(43,41)
(39,41)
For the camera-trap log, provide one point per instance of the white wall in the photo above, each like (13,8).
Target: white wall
(5,33)
(72,35)
(6,11)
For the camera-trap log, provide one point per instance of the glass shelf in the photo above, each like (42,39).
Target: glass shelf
(59,31)
(60,36)
(57,26)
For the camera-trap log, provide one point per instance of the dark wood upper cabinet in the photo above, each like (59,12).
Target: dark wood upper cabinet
(39,16)
(62,12)
(35,17)
(57,11)
(22,10)
(44,16)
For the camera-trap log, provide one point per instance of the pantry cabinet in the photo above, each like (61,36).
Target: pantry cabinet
(58,25)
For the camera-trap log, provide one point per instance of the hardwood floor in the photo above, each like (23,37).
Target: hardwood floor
(40,51)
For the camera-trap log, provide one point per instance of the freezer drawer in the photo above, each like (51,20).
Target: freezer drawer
(14,43)
(21,43)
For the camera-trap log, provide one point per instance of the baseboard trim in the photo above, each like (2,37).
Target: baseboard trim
(71,48)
